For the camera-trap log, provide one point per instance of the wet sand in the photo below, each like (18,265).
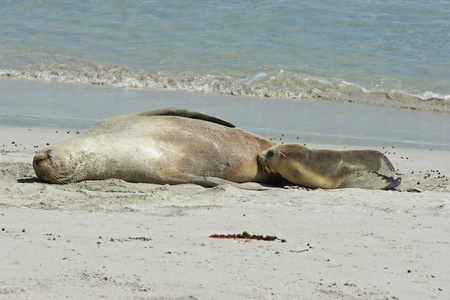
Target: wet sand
(78,107)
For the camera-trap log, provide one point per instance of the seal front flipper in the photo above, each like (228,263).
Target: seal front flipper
(181,112)
(207,181)
(252,186)
(289,185)
(370,180)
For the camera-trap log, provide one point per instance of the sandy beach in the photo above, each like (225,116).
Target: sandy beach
(358,75)
(112,239)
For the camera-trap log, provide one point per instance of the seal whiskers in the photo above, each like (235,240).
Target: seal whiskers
(266,166)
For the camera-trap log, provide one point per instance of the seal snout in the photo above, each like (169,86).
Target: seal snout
(262,159)
(42,157)
(47,167)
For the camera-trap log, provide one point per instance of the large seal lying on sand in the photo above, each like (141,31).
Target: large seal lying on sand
(330,169)
(166,146)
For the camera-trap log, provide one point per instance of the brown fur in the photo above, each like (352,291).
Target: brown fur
(327,168)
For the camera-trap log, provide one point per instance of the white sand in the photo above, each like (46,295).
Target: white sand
(80,240)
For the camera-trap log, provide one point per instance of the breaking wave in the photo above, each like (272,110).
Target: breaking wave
(277,86)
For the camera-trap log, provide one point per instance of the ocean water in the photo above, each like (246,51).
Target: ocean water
(380,52)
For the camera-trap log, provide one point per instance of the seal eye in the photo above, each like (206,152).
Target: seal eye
(269,153)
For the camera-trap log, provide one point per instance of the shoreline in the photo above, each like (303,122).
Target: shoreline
(78,107)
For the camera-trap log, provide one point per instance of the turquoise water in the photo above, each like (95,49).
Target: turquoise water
(278,49)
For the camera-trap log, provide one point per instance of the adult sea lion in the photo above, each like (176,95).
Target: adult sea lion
(166,146)
(329,169)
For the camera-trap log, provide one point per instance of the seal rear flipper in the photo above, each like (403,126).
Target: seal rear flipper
(370,180)
(181,112)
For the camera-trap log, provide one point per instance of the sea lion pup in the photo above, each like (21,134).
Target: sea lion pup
(327,169)
(165,146)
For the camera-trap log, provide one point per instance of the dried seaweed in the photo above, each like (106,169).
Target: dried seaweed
(245,235)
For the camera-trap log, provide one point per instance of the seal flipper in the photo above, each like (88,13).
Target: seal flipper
(393,183)
(181,112)
(370,180)
(207,181)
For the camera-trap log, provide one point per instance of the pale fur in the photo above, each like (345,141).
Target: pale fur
(169,146)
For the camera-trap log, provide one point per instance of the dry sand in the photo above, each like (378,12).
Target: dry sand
(113,239)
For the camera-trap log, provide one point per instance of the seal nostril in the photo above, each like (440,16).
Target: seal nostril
(49,156)
(42,157)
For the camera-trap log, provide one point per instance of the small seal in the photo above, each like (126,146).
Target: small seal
(327,169)
(165,146)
